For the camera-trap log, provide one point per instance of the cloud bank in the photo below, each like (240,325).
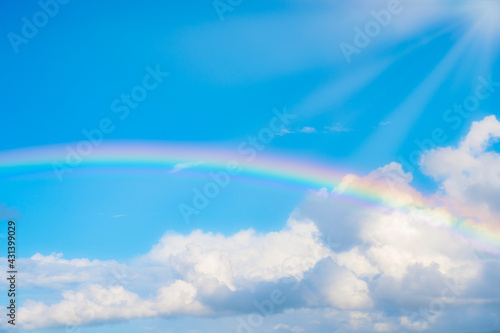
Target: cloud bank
(405,265)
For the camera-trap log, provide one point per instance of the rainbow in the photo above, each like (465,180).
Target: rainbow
(163,157)
(60,161)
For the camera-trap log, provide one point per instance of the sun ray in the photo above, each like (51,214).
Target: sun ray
(408,112)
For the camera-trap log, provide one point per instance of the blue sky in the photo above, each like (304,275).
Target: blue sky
(359,111)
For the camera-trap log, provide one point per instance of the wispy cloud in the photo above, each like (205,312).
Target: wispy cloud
(284,131)
(307,129)
(294,329)
(181,166)
(338,127)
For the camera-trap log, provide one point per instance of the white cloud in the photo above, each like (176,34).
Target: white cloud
(54,272)
(339,288)
(481,134)
(402,252)
(203,262)
(338,127)
(308,129)
(245,255)
(181,166)
(305,129)
(96,304)
(284,132)
(398,241)
(357,263)
(92,304)
(382,327)
(178,298)
(286,328)
(470,174)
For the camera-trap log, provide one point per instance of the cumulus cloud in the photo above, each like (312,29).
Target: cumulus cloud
(198,265)
(339,288)
(245,255)
(405,250)
(92,304)
(469,174)
(209,274)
